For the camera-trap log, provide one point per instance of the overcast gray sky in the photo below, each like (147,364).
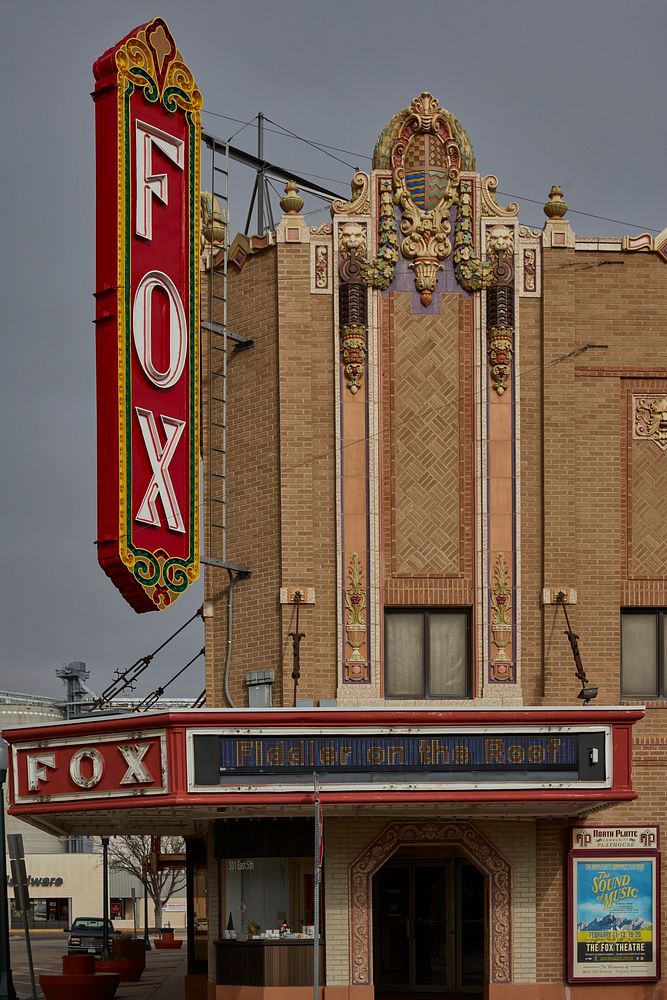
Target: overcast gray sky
(569,92)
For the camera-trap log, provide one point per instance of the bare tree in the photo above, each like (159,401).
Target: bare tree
(132,854)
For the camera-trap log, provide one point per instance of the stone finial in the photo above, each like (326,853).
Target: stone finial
(292,202)
(556,207)
(213,224)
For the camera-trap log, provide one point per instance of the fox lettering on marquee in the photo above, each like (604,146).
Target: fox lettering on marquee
(147,110)
(87,767)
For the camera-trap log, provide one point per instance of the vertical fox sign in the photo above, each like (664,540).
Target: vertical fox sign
(147,118)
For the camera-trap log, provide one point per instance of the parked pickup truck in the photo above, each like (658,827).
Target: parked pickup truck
(86,935)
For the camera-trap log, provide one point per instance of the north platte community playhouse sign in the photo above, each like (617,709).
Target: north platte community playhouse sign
(147,118)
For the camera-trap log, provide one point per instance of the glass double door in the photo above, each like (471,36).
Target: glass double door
(429,927)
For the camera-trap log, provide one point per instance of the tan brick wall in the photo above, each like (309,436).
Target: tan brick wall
(516,841)
(593,518)
(578,524)
(280,492)
(253,489)
(551,885)
(345,839)
(530,527)
(596,513)
(307,472)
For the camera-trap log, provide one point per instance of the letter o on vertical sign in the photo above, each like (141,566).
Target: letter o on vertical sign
(96,762)
(141,329)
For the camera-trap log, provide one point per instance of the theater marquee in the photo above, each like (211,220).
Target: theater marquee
(147,117)
(80,775)
(554,757)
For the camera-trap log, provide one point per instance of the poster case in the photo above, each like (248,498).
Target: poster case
(613,916)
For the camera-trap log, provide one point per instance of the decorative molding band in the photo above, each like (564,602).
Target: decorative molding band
(643,373)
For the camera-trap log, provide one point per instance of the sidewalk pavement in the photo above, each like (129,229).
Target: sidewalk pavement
(163,978)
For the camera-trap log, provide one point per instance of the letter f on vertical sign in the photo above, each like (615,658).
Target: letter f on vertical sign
(160,456)
(150,183)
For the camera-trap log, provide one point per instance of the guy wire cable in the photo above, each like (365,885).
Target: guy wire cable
(155,695)
(127,678)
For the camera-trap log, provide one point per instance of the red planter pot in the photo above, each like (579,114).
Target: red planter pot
(70,986)
(79,965)
(129,969)
(163,944)
(133,948)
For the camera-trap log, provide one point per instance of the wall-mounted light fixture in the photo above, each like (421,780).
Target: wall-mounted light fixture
(588,691)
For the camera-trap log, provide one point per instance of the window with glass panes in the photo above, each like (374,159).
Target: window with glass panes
(427,653)
(643,644)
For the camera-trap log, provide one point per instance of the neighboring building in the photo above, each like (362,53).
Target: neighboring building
(450,430)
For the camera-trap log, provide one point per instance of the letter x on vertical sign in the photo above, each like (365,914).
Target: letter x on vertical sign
(147,113)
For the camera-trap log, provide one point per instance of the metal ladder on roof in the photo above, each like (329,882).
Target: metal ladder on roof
(217,343)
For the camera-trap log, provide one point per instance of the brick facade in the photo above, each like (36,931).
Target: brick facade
(433,478)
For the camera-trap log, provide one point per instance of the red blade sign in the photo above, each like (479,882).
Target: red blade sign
(147,119)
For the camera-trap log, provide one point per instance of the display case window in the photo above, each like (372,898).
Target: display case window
(267,898)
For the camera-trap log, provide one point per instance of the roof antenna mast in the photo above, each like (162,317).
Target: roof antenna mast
(260,191)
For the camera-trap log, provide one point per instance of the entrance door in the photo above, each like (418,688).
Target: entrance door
(429,927)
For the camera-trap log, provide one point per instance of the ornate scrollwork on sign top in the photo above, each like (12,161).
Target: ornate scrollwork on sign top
(153,63)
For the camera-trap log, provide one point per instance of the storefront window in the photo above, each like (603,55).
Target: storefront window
(267,897)
(44,913)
